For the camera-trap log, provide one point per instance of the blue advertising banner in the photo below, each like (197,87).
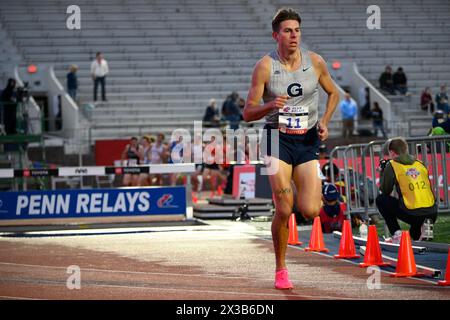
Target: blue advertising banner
(92,203)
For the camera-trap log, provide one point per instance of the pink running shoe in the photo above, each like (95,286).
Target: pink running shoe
(282,280)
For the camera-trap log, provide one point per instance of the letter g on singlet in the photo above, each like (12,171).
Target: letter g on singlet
(295,90)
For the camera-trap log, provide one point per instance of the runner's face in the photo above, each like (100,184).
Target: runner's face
(288,36)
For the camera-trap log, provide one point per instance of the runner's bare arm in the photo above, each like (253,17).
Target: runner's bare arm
(253,110)
(330,88)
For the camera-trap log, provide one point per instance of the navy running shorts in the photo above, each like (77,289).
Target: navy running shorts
(296,149)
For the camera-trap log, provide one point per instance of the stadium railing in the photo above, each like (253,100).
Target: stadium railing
(360,163)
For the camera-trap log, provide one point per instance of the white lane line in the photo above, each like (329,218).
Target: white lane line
(246,294)
(132,272)
(119,231)
(298,281)
(357,263)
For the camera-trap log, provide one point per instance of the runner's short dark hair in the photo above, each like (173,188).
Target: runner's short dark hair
(282,15)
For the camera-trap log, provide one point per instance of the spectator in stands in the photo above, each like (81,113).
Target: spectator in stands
(99,70)
(442,100)
(426,100)
(400,81)
(415,202)
(440,120)
(8,107)
(130,157)
(231,111)
(386,80)
(72,82)
(348,111)
(377,118)
(211,117)
(332,213)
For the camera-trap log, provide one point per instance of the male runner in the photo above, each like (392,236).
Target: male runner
(287,80)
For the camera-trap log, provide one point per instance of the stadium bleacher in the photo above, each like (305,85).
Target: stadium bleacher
(414,35)
(168,58)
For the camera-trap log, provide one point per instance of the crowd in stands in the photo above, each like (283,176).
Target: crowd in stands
(440,100)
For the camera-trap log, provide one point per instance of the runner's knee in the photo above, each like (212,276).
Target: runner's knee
(284,203)
(310,210)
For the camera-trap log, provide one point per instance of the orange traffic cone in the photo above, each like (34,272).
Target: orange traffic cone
(373,250)
(316,241)
(446,281)
(406,264)
(293,232)
(347,247)
(219,191)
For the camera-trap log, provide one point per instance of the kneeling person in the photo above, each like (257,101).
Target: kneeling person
(415,202)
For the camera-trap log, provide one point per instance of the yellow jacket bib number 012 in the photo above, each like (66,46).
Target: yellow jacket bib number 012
(415,186)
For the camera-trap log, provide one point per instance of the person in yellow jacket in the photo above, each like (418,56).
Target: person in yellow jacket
(415,201)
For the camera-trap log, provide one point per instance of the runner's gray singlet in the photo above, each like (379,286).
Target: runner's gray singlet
(302,85)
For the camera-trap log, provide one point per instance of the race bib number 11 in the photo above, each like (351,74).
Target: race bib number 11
(293,119)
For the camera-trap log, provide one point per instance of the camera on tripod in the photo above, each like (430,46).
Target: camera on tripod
(241,213)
